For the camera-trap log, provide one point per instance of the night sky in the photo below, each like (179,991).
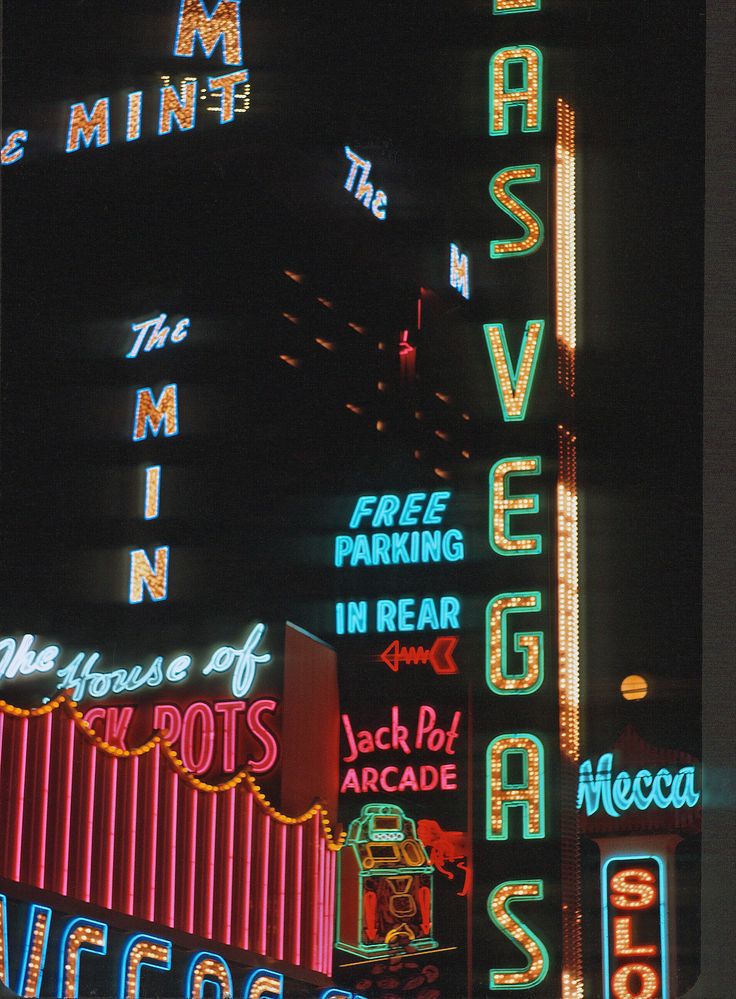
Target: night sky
(269,460)
(201,224)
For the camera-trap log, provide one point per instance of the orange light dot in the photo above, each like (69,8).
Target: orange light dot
(634,688)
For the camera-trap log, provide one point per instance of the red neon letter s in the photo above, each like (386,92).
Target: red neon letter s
(634,888)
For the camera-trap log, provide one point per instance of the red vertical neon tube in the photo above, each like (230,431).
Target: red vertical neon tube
(297,894)
(247,870)
(43,803)
(316,887)
(320,908)
(227,873)
(3,772)
(173,809)
(151,834)
(131,834)
(325,866)
(191,862)
(65,819)
(330,911)
(328,908)
(281,897)
(263,885)
(109,838)
(209,888)
(88,822)
(20,795)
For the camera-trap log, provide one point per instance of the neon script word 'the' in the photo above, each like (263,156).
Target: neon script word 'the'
(156,333)
(364,191)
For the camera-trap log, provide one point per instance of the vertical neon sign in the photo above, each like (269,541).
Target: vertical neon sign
(568,598)
(519,795)
(634,908)
(153,417)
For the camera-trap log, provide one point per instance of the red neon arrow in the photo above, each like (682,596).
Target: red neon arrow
(439,656)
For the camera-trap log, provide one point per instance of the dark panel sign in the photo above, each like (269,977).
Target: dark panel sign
(634,905)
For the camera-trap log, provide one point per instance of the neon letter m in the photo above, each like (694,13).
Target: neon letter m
(150,414)
(223,23)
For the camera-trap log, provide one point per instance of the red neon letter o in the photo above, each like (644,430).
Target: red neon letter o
(648,977)
(198,760)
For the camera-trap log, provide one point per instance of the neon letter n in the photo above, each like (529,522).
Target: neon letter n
(154,577)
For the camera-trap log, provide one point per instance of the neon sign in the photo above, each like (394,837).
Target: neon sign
(208,969)
(525,794)
(504,506)
(153,414)
(399,548)
(152,492)
(146,576)
(157,333)
(396,737)
(110,851)
(445,846)
(532,229)
(13,149)
(222,25)
(514,385)
(407,547)
(643,790)
(459,271)
(81,676)
(364,191)
(530,644)
(439,656)
(386,885)
(515,762)
(535,952)
(141,964)
(634,907)
(389,510)
(402,614)
(528,97)
(90,128)
(201,730)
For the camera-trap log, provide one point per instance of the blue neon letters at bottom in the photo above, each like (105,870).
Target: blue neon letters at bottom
(164,965)
(38,924)
(263,982)
(72,959)
(210,976)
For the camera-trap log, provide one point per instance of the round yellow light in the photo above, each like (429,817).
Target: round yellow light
(634,688)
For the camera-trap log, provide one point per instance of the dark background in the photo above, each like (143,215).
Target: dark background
(269,459)
(202,224)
